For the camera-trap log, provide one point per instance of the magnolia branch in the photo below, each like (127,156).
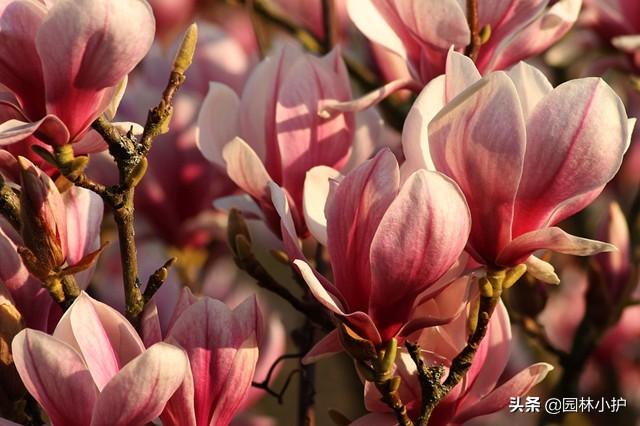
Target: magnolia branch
(240,243)
(473,48)
(130,157)
(329,24)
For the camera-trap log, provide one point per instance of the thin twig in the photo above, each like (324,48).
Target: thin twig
(473,48)
(265,384)
(130,156)
(329,24)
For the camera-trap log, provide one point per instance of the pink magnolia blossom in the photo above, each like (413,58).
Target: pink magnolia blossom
(390,243)
(525,155)
(478,394)
(73,219)
(98,368)
(278,117)
(57,100)
(222,346)
(422,31)
(617,21)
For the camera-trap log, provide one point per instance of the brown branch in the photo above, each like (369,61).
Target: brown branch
(130,157)
(329,24)
(433,391)
(473,48)
(311,310)
(428,379)
(265,384)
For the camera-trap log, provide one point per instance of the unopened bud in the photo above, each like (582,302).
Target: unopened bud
(472,319)
(280,256)
(389,357)
(486,289)
(184,57)
(513,275)
(42,212)
(236,226)
(243,247)
(485,34)
(138,173)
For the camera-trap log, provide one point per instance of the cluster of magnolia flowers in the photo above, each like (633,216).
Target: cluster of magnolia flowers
(395,221)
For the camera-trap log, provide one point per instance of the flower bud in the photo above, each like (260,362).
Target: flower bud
(42,214)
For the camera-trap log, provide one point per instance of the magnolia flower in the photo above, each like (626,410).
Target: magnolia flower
(617,21)
(57,100)
(525,155)
(390,243)
(421,31)
(278,117)
(222,346)
(69,224)
(98,368)
(476,395)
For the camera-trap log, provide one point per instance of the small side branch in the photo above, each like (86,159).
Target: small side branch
(473,48)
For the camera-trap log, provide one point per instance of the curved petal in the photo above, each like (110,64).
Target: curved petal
(327,346)
(179,409)
(150,329)
(415,135)
(49,129)
(429,223)
(479,140)
(84,211)
(321,290)
(536,37)
(518,385)
(49,369)
(353,215)
(588,125)
(279,197)
(554,239)
(245,168)
(461,73)
(217,122)
(105,338)
(316,192)
(541,270)
(19,23)
(90,34)
(140,391)
(372,23)
(304,138)
(220,353)
(81,328)
(532,86)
